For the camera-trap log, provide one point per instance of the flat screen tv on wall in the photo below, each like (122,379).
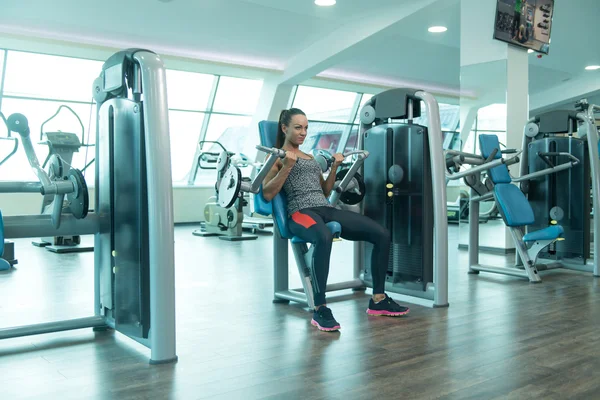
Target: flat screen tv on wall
(525,23)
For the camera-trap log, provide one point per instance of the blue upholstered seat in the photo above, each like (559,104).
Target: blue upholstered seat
(550,233)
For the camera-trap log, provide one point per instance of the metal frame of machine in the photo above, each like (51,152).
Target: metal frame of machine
(134,278)
(588,131)
(530,243)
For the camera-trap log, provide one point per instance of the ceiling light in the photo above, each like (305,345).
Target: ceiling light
(530,51)
(592,67)
(324,3)
(437,29)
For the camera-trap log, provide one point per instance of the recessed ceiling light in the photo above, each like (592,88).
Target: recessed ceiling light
(325,3)
(437,29)
(530,51)
(592,67)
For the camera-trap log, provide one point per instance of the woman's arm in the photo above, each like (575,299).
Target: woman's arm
(327,185)
(276,177)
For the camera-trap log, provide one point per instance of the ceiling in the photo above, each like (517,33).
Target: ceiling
(269,33)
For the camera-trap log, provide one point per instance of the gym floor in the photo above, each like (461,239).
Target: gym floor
(501,337)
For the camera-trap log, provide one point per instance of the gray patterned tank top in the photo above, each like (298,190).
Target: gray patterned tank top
(303,186)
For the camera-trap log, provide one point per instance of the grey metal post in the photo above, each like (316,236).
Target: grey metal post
(280,262)
(473,231)
(592,138)
(28,226)
(20,187)
(160,208)
(440,213)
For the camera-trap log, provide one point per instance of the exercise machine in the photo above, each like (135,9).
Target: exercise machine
(61,147)
(563,197)
(227,222)
(345,190)
(132,222)
(7,247)
(404,190)
(514,208)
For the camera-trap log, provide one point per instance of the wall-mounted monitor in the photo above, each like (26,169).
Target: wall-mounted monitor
(525,23)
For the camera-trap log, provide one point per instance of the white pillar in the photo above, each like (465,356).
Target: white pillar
(493,72)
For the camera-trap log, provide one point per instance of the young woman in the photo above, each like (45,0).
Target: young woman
(301,179)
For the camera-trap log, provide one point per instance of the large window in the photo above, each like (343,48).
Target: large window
(42,76)
(36,85)
(228,120)
(326,104)
(333,117)
(201,107)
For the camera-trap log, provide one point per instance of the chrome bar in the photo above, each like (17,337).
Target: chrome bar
(258,179)
(28,226)
(49,327)
(484,197)
(440,213)
(500,270)
(160,207)
(475,170)
(545,172)
(473,231)
(351,284)
(337,191)
(592,138)
(20,187)
(292,296)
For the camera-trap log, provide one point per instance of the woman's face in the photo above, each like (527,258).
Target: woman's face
(296,131)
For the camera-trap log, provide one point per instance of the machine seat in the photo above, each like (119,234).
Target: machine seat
(550,233)
(334,227)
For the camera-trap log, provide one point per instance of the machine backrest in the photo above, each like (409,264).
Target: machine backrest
(278,206)
(487,144)
(514,207)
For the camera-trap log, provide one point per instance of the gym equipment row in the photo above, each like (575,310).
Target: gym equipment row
(134,284)
(403,175)
(552,158)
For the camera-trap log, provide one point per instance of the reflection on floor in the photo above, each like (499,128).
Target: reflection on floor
(500,337)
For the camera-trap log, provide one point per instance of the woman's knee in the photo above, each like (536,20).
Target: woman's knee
(324,236)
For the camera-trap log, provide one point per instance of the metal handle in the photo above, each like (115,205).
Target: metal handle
(483,167)
(14,150)
(72,112)
(271,150)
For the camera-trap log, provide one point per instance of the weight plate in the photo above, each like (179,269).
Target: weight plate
(351,197)
(557,213)
(56,167)
(79,201)
(229,189)
(222,161)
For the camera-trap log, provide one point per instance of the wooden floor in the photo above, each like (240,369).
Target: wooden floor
(501,338)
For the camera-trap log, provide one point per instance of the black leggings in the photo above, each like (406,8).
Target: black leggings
(309,225)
